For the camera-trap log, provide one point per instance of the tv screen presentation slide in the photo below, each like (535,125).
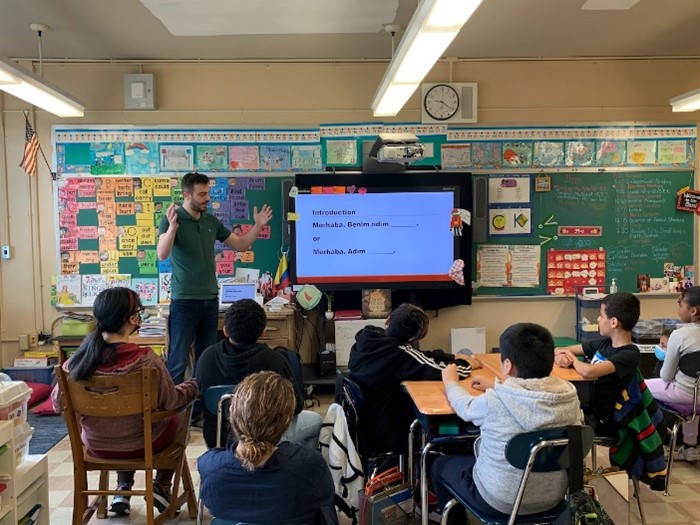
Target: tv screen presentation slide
(375,237)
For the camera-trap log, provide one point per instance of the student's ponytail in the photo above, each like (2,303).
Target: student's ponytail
(112,309)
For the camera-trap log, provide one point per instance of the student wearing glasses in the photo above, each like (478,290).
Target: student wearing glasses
(107,351)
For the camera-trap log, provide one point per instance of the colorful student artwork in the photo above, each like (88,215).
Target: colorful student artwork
(548,153)
(580,153)
(176,158)
(641,152)
(164,288)
(275,158)
(243,158)
(141,158)
(486,154)
(517,154)
(306,158)
(611,153)
(341,153)
(107,158)
(211,158)
(455,155)
(673,152)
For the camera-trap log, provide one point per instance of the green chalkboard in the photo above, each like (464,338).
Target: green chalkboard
(636,211)
(108,225)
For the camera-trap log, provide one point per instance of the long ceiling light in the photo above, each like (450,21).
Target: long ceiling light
(23,84)
(689,101)
(433,27)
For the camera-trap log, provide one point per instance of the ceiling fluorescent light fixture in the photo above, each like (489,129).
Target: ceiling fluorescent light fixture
(23,84)
(686,102)
(431,30)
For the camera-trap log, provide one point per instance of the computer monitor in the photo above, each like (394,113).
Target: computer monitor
(232,292)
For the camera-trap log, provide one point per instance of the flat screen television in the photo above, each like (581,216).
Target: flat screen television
(381,230)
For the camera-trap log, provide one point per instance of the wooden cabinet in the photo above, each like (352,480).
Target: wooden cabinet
(27,484)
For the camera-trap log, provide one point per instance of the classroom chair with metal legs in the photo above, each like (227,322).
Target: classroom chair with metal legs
(690,366)
(214,400)
(539,451)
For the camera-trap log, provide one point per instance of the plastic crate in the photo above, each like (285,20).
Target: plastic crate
(14,396)
(22,433)
(39,374)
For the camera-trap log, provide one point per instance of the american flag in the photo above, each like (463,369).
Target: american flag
(31,148)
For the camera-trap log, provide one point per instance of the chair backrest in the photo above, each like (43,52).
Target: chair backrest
(689,364)
(553,444)
(294,361)
(106,396)
(216,400)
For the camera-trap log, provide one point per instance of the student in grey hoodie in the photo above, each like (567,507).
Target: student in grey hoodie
(529,399)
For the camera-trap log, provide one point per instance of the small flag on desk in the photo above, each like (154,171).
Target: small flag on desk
(31,148)
(282,280)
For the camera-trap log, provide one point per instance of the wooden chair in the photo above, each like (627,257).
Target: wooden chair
(117,396)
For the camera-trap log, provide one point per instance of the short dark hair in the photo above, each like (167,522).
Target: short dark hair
(691,296)
(408,322)
(190,179)
(245,321)
(624,307)
(530,347)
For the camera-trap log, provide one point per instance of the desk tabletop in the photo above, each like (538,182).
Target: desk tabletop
(492,362)
(429,396)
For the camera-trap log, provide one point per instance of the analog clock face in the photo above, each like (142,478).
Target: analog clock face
(441,102)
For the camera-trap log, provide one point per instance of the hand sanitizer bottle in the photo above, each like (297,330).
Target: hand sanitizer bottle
(613,286)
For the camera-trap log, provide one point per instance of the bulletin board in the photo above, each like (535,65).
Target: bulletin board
(623,224)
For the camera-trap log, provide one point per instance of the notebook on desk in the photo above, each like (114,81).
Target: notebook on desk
(229,293)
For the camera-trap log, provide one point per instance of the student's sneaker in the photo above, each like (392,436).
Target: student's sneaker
(121,505)
(161,496)
(687,453)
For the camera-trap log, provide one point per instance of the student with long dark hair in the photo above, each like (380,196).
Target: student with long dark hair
(107,351)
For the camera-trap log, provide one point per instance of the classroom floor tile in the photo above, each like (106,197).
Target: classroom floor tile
(680,508)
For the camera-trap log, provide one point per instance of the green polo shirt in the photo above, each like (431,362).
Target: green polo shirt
(192,256)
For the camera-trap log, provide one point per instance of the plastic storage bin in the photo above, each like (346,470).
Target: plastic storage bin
(23,433)
(647,331)
(39,374)
(14,396)
(76,327)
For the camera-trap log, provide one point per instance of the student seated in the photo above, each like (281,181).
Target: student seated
(107,351)
(260,479)
(230,360)
(380,360)
(529,399)
(611,361)
(660,351)
(674,386)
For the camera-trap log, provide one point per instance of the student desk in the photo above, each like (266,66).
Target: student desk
(584,387)
(430,400)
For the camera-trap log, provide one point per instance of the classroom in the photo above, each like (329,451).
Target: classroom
(538,67)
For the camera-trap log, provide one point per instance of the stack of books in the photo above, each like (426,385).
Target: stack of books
(153,327)
(36,358)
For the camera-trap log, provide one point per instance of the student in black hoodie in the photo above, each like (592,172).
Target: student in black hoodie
(230,360)
(380,360)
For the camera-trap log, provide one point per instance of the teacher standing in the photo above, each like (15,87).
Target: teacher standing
(187,235)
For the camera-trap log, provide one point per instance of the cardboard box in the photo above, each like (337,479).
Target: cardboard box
(24,361)
(473,338)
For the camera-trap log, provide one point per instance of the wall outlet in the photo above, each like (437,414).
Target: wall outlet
(33,340)
(6,251)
